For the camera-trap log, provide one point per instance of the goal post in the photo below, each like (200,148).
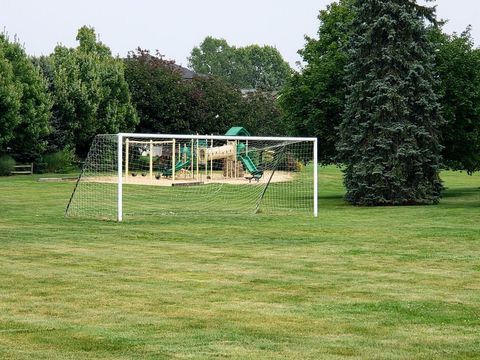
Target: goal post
(120,176)
(129,175)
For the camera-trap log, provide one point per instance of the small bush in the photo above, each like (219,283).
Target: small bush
(60,161)
(290,163)
(6,165)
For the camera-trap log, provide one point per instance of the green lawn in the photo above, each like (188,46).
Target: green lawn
(356,283)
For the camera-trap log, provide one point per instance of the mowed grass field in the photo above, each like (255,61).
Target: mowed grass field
(356,283)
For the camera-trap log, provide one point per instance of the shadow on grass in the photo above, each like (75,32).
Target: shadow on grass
(467,197)
(461,192)
(337,197)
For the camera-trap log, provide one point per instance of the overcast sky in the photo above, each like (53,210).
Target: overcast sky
(175,27)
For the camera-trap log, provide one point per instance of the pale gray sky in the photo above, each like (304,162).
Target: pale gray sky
(175,27)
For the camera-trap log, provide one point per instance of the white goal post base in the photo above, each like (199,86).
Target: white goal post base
(136,175)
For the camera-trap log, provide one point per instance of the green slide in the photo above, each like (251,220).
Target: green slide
(247,162)
(178,166)
(241,153)
(250,166)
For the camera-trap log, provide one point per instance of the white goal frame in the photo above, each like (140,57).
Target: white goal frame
(121,136)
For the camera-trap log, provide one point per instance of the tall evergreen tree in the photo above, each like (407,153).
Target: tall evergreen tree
(390,128)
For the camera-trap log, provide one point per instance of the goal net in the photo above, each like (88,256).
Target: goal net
(133,175)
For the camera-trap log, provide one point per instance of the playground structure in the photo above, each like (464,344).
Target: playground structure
(197,160)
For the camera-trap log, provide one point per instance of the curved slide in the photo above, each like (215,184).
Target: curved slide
(250,166)
(178,166)
(247,162)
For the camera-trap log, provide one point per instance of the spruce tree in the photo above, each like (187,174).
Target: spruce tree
(390,127)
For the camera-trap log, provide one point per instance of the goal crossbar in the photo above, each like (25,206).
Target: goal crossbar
(148,142)
(217,137)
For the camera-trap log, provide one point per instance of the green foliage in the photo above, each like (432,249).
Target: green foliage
(58,137)
(458,68)
(59,161)
(313,100)
(158,93)
(213,106)
(214,57)
(90,92)
(10,97)
(24,102)
(250,67)
(390,129)
(264,67)
(262,115)
(205,104)
(7,164)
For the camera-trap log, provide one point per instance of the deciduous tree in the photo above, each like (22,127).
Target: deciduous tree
(24,103)
(158,93)
(313,100)
(458,68)
(90,92)
(250,67)
(213,105)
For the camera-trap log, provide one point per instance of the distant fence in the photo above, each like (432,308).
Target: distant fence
(26,169)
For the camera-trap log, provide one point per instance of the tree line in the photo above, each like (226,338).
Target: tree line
(56,104)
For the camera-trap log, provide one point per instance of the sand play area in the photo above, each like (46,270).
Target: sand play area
(185,178)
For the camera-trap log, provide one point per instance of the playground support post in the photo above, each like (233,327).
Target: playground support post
(120,177)
(173,161)
(198,153)
(151,159)
(235,160)
(127,145)
(211,161)
(179,153)
(180,157)
(206,159)
(315,177)
(192,170)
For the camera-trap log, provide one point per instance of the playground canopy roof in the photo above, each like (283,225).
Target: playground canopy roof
(237,131)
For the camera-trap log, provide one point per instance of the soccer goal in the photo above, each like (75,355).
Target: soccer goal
(135,175)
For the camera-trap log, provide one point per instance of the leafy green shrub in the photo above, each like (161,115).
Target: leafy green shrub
(289,162)
(60,161)
(6,165)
